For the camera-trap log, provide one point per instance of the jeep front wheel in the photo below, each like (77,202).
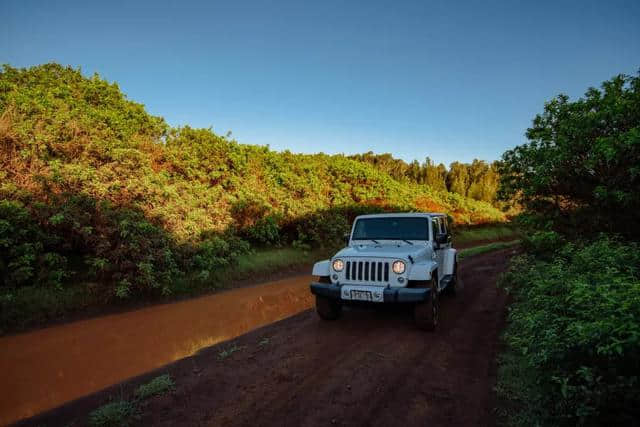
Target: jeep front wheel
(327,308)
(426,313)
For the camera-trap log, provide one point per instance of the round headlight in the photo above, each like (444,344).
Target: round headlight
(338,264)
(398,267)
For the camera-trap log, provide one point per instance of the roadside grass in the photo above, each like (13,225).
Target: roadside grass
(266,261)
(222,355)
(516,389)
(121,412)
(468,235)
(114,414)
(259,264)
(155,387)
(21,308)
(477,250)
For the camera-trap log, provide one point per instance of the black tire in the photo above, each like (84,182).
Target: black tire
(426,313)
(327,308)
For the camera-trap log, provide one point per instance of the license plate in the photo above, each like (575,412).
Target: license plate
(361,295)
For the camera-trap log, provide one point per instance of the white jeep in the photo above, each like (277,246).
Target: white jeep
(390,258)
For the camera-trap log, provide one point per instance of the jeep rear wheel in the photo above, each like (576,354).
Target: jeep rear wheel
(327,308)
(426,313)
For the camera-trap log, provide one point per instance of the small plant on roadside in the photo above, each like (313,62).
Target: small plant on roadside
(157,386)
(114,414)
(229,351)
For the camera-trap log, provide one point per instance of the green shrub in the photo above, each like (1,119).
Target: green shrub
(23,256)
(543,244)
(114,414)
(120,245)
(574,336)
(216,253)
(156,386)
(19,244)
(265,231)
(324,229)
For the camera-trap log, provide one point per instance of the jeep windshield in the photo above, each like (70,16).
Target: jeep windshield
(391,229)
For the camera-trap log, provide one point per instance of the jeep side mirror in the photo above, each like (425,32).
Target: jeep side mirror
(442,238)
(346,239)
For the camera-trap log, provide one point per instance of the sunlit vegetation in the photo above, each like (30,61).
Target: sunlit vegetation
(573,336)
(101,201)
(478,180)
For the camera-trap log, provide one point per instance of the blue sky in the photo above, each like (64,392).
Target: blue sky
(449,80)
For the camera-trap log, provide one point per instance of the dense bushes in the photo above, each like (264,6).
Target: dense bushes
(117,246)
(94,189)
(580,169)
(23,255)
(573,336)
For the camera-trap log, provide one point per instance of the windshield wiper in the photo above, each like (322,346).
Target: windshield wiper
(375,241)
(411,243)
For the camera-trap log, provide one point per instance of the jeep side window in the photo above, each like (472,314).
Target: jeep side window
(435,229)
(444,224)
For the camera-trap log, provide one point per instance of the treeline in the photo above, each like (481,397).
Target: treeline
(93,188)
(573,337)
(478,180)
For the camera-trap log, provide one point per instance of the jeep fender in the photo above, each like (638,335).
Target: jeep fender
(321,268)
(450,257)
(422,271)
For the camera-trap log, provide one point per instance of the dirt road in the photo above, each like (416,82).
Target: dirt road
(368,368)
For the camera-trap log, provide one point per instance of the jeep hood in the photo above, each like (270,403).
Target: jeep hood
(401,251)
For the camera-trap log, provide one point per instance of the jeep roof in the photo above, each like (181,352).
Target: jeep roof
(402,214)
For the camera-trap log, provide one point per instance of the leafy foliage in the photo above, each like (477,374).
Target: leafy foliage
(574,336)
(580,171)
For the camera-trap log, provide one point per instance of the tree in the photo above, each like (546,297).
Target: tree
(458,178)
(580,169)
(434,176)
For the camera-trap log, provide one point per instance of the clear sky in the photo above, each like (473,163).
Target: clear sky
(449,80)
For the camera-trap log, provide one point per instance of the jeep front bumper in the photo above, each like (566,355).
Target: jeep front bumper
(379,294)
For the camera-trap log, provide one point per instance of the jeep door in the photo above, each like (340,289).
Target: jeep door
(439,226)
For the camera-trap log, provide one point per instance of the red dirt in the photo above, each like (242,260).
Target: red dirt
(371,367)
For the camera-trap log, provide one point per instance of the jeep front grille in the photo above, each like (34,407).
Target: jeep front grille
(370,271)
